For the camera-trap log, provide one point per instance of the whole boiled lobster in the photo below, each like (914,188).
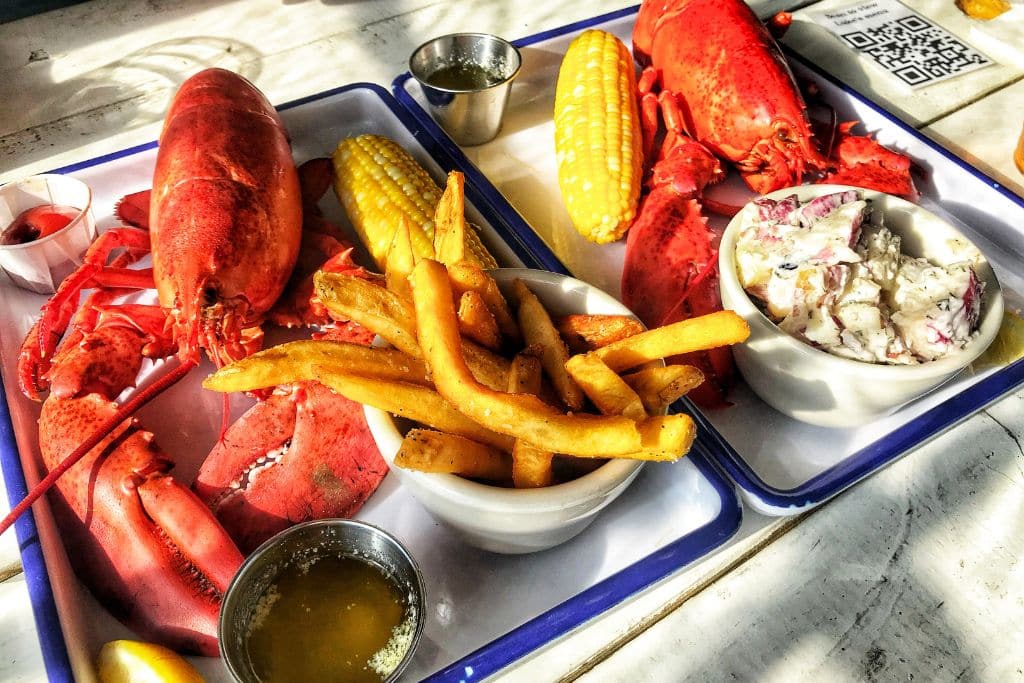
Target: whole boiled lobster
(225,227)
(717,86)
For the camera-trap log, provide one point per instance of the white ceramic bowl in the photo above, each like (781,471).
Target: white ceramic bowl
(508,520)
(817,387)
(42,264)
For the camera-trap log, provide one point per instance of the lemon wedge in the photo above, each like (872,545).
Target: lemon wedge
(131,661)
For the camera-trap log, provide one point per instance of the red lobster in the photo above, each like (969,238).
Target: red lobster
(225,225)
(724,92)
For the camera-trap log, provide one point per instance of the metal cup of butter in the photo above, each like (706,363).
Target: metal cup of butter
(310,541)
(466,79)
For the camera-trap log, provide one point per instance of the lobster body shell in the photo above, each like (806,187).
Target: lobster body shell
(225,214)
(731,86)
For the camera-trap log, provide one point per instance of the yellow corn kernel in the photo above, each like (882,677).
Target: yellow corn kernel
(597,136)
(377,182)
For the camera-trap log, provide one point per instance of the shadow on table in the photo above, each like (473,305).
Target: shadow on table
(19,9)
(129,93)
(874,585)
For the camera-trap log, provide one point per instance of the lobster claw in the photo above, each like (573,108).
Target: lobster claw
(305,453)
(860,161)
(669,251)
(173,560)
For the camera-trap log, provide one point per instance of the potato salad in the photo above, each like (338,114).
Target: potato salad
(830,277)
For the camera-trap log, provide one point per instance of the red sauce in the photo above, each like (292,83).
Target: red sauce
(39,221)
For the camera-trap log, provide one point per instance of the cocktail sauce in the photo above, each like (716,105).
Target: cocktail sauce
(37,222)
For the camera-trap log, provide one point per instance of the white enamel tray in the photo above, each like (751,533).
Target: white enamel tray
(782,466)
(484,611)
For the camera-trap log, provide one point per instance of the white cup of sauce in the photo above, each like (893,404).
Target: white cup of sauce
(39,260)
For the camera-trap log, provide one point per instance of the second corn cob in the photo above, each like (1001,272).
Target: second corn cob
(377,181)
(597,136)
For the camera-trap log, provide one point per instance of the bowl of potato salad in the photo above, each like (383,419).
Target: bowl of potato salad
(858,301)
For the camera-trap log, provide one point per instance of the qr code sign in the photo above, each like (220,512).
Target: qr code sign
(903,42)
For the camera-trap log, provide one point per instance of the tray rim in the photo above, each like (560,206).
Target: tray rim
(506,648)
(762,496)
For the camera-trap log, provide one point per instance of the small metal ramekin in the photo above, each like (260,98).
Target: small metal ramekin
(302,543)
(472,116)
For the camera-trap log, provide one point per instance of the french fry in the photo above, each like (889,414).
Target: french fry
(429,451)
(524,377)
(660,387)
(537,329)
(487,367)
(375,308)
(477,322)
(531,466)
(583,332)
(404,399)
(413,402)
(450,222)
(400,261)
(467,276)
(605,388)
(694,334)
(512,414)
(303,360)
(665,438)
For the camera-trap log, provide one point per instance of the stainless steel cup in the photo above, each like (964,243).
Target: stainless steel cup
(302,543)
(470,113)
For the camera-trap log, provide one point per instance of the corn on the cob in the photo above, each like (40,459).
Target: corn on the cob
(597,136)
(377,181)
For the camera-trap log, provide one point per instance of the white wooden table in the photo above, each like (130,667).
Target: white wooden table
(911,575)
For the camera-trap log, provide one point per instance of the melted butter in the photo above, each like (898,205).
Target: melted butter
(463,76)
(335,619)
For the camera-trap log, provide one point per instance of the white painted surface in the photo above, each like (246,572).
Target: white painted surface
(986,132)
(847,593)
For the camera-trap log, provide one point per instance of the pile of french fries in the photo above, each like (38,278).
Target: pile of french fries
(500,391)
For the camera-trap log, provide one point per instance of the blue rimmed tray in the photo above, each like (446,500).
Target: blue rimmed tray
(485,611)
(781,466)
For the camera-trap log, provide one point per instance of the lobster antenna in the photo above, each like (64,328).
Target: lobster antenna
(124,412)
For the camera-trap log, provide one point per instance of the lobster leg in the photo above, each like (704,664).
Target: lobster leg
(38,348)
(860,161)
(323,247)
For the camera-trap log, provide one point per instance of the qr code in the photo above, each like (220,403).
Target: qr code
(915,50)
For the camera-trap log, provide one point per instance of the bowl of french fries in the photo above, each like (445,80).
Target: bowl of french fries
(514,404)
(504,481)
